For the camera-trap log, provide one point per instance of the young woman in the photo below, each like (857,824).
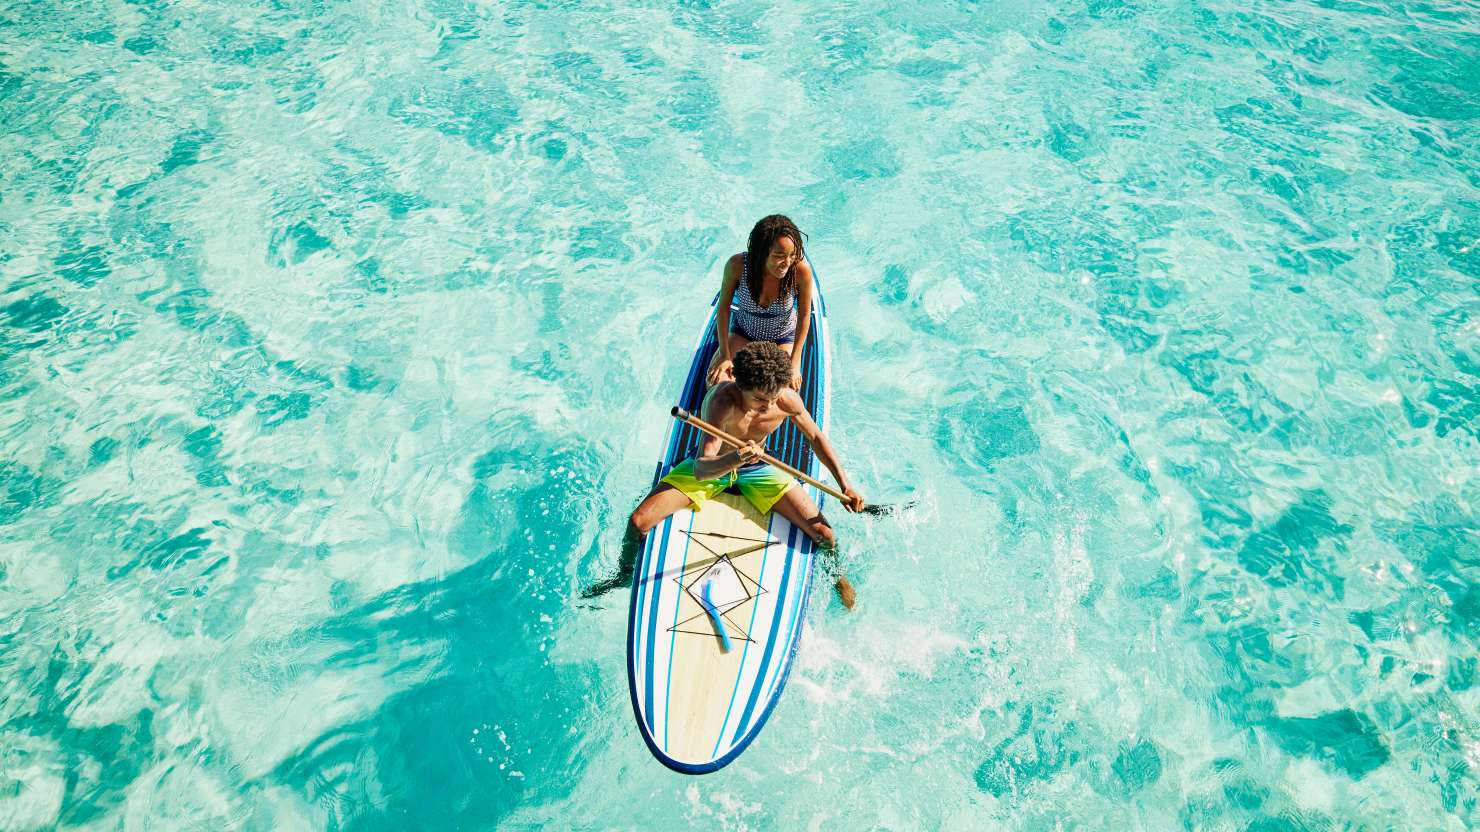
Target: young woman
(770,285)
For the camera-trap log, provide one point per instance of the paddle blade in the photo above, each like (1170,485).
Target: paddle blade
(890,510)
(719,625)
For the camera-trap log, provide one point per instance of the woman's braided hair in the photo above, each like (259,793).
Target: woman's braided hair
(763,367)
(758,250)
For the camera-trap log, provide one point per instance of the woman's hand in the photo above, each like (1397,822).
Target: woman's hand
(719,371)
(796,378)
(855,501)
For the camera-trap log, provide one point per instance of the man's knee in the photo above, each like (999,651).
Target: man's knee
(641,520)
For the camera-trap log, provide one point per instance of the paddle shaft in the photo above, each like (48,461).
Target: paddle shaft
(684,415)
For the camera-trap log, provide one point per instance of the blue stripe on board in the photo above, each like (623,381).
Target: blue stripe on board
(817,405)
(661,542)
(635,616)
(822,371)
(809,548)
(672,642)
(817,291)
(675,441)
(801,450)
(804,454)
(692,398)
(794,641)
(679,443)
(740,674)
(760,675)
(797,452)
(785,444)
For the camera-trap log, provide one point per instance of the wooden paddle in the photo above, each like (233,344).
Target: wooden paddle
(685,416)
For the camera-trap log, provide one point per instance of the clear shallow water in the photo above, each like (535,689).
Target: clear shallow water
(338,339)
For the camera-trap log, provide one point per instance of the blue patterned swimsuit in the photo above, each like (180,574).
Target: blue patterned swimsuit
(776,323)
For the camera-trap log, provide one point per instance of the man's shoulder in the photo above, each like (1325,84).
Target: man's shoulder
(720,399)
(791,402)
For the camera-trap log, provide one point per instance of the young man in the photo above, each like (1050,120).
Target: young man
(748,408)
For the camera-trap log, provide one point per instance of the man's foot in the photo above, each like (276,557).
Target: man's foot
(845,592)
(626,563)
(604,586)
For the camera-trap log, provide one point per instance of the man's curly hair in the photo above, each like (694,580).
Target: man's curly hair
(762,366)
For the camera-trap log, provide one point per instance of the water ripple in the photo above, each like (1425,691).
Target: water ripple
(336,342)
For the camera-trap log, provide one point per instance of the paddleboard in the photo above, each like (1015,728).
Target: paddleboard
(699,705)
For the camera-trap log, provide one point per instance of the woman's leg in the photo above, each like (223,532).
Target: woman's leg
(736,342)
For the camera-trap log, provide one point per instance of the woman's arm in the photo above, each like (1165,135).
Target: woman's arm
(730,280)
(723,356)
(804,321)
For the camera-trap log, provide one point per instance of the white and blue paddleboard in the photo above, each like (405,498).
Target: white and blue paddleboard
(698,705)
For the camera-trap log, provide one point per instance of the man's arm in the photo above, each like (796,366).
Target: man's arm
(792,405)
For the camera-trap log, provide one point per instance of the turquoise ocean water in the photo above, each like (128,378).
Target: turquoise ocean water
(337,340)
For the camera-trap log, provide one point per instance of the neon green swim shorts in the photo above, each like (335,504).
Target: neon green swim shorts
(760,483)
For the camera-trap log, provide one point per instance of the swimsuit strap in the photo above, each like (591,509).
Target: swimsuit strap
(777,322)
(748,302)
